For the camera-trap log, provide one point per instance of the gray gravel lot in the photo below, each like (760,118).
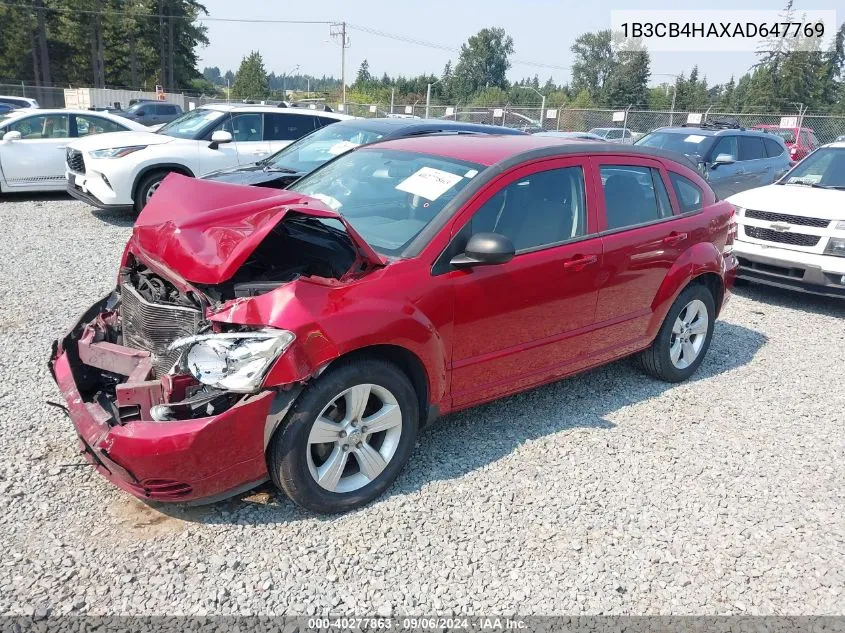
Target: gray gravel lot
(606,493)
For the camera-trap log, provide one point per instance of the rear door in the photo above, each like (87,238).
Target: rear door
(38,157)
(282,129)
(641,239)
(526,321)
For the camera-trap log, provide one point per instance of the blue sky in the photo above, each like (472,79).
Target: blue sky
(543,31)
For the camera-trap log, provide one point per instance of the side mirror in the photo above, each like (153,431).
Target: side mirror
(12,136)
(483,249)
(219,137)
(724,159)
(140,113)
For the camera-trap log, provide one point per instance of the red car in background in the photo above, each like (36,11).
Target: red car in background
(799,142)
(304,336)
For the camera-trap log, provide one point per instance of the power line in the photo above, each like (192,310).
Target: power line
(205,18)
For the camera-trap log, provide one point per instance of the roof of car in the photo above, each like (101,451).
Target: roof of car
(710,131)
(402,127)
(489,150)
(244,107)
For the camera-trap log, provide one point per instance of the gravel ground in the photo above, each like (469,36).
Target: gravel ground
(606,493)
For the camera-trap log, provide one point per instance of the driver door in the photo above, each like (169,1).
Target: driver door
(38,157)
(527,321)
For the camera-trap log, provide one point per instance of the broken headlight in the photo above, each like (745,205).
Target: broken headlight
(235,361)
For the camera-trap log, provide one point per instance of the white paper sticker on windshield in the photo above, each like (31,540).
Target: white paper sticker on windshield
(331,203)
(429,183)
(341,147)
(694,138)
(808,179)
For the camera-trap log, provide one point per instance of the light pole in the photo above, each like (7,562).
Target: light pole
(674,94)
(428,96)
(542,103)
(284,80)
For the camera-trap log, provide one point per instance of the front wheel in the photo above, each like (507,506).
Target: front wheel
(347,438)
(684,337)
(147,187)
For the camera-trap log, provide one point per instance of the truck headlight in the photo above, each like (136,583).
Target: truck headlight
(835,247)
(115,152)
(236,361)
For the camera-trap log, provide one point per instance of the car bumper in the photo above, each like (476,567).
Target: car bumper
(92,189)
(197,460)
(795,270)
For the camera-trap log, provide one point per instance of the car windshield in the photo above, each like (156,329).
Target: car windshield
(191,123)
(788,136)
(134,108)
(823,168)
(319,147)
(599,131)
(388,196)
(688,143)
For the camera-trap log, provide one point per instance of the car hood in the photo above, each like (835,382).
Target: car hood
(204,231)
(119,139)
(253,175)
(794,200)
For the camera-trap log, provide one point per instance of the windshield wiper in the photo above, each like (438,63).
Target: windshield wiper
(281,170)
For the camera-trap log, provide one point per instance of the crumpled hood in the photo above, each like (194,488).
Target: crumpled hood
(794,200)
(119,139)
(204,231)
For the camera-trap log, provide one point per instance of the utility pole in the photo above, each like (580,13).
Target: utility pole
(338,31)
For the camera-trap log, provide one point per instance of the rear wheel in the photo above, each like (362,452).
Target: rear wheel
(347,438)
(684,337)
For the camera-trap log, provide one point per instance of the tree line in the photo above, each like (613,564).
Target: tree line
(116,43)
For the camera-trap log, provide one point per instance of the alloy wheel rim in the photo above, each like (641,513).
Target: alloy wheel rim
(688,334)
(354,438)
(152,189)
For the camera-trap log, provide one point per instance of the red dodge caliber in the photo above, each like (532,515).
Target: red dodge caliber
(304,336)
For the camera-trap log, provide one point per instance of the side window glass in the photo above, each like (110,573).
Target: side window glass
(288,127)
(544,208)
(42,126)
(244,127)
(688,194)
(751,148)
(88,125)
(726,145)
(773,148)
(629,196)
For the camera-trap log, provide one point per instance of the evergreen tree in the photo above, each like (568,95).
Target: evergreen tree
(251,81)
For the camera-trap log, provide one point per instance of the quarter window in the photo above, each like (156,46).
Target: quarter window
(688,194)
(630,197)
(42,126)
(545,208)
(751,148)
(288,127)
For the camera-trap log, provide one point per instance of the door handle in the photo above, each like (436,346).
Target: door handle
(674,238)
(579,262)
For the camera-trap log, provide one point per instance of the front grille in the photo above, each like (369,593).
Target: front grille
(154,326)
(163,489)
(75,162)
(785,237)
(789,219)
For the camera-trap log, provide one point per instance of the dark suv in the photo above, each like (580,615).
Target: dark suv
(152,112)
(730,158)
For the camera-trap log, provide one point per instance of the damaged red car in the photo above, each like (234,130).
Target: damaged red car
(304,336)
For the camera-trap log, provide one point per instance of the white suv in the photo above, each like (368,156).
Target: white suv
(792,234)
(122,170)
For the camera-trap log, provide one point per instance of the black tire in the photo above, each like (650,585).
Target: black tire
(288,452)
(656,360)
(148,181)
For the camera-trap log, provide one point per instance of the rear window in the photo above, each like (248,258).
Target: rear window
(688,193)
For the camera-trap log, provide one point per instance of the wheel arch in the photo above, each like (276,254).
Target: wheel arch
(179,168)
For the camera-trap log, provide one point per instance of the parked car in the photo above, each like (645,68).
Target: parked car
(19,102)
(798,142)
(616,135)
(5,107)
(310,152)
(488,117)
(587,136)
(122,171)
(32,149)
(840,139)
(731,158)
(792,233)
(305,336)
(152,112)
